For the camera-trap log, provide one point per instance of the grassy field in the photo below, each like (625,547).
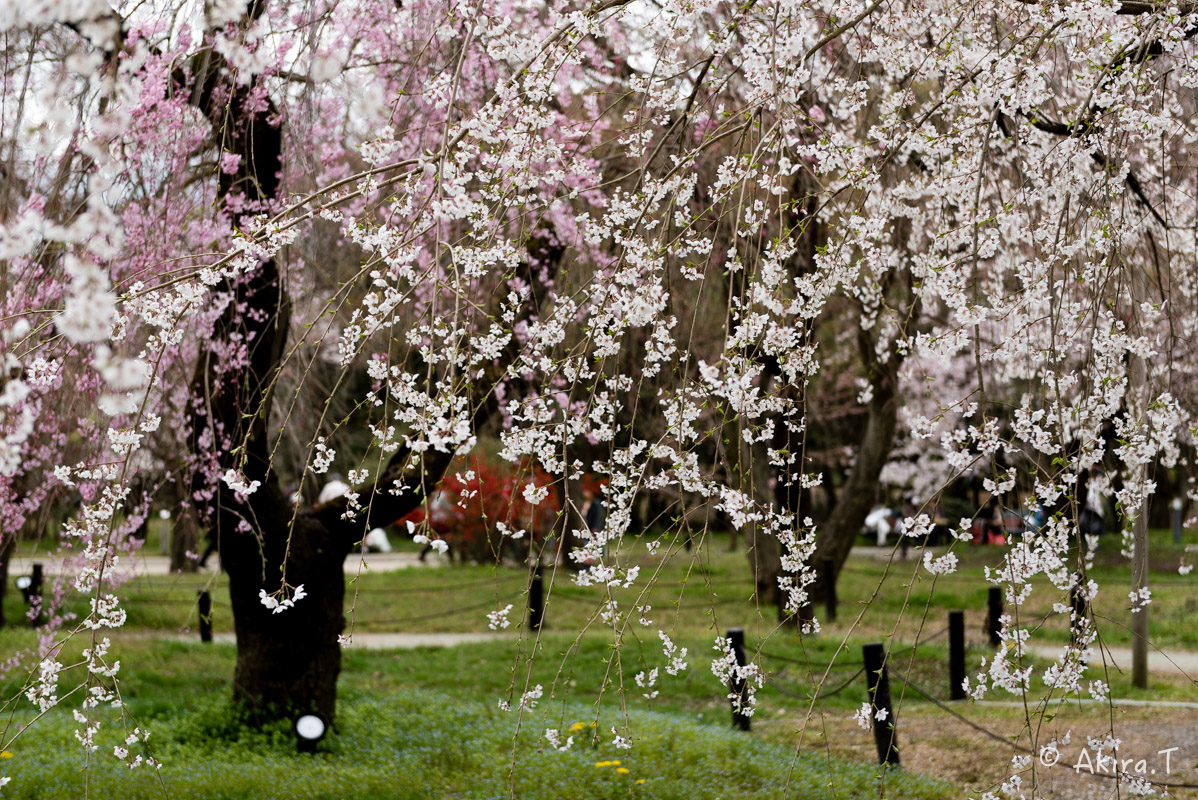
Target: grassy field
(396,737)
(701,594)
(710,589)
(586,680)
(400,711)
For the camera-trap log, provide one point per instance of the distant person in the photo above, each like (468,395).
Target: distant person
(593,512)
(879,522)
(942,532)
(438,522)
(332,490)
(377,542)
(1091,520)
(994,522)
(208,551)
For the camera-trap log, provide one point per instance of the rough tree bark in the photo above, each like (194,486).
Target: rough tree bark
(185,534)
(854,500)
(856,497)
(289,661)
(7,545)
(765,551)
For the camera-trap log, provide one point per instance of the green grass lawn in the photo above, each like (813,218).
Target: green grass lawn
(433,714)
(695,597)
(699,595)
(397,737)
(709,590)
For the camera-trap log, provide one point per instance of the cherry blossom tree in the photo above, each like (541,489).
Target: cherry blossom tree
(619,237)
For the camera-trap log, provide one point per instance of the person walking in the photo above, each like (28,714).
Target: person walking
(593,513)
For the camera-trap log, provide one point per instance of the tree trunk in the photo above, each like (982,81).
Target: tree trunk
(287,662)
(185,538)
(1137,401)
(290,661)
(571,500)
(185,535)
(856,497)
(7,545)
(764,549)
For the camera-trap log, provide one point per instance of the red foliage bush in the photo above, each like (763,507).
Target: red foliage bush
(477,496)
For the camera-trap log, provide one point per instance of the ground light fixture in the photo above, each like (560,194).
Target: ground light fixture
(23,584)
(310,728)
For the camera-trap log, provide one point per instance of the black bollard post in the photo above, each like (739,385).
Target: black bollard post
(828,579)
(785,615)
(205,608)
(35,591)
(956,655)
(1078,604)
(885,735)
(994,613)
(536,599)
(736,638)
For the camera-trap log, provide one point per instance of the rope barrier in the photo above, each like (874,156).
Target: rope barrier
(935,635)
(441,586)
(819,695)
(422,617)
(596,599)
(492,602)
(906,682)
(812,664)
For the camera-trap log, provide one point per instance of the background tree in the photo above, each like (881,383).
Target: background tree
(620,240)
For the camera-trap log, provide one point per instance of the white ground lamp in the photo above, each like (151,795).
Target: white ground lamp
(309,730)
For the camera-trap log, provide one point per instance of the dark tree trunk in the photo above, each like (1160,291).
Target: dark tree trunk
(764,548)
(831,489)
(7,545)
(289,661)
(185,535)
(749,464)
(185,538)
(571,500)
(856,497)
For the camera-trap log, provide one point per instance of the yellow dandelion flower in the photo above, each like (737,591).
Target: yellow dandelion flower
(640,780)
(622,770)
(614,763)
(577,726)
(5,754)
(602,763)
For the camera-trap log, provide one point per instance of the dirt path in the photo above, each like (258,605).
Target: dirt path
(368,641)
(160,565)
(935,743)
(1175,662)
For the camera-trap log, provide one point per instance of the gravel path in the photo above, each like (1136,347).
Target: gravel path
(1175,662)
(941,745)
(379,641)
(160,565)
(934,743)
